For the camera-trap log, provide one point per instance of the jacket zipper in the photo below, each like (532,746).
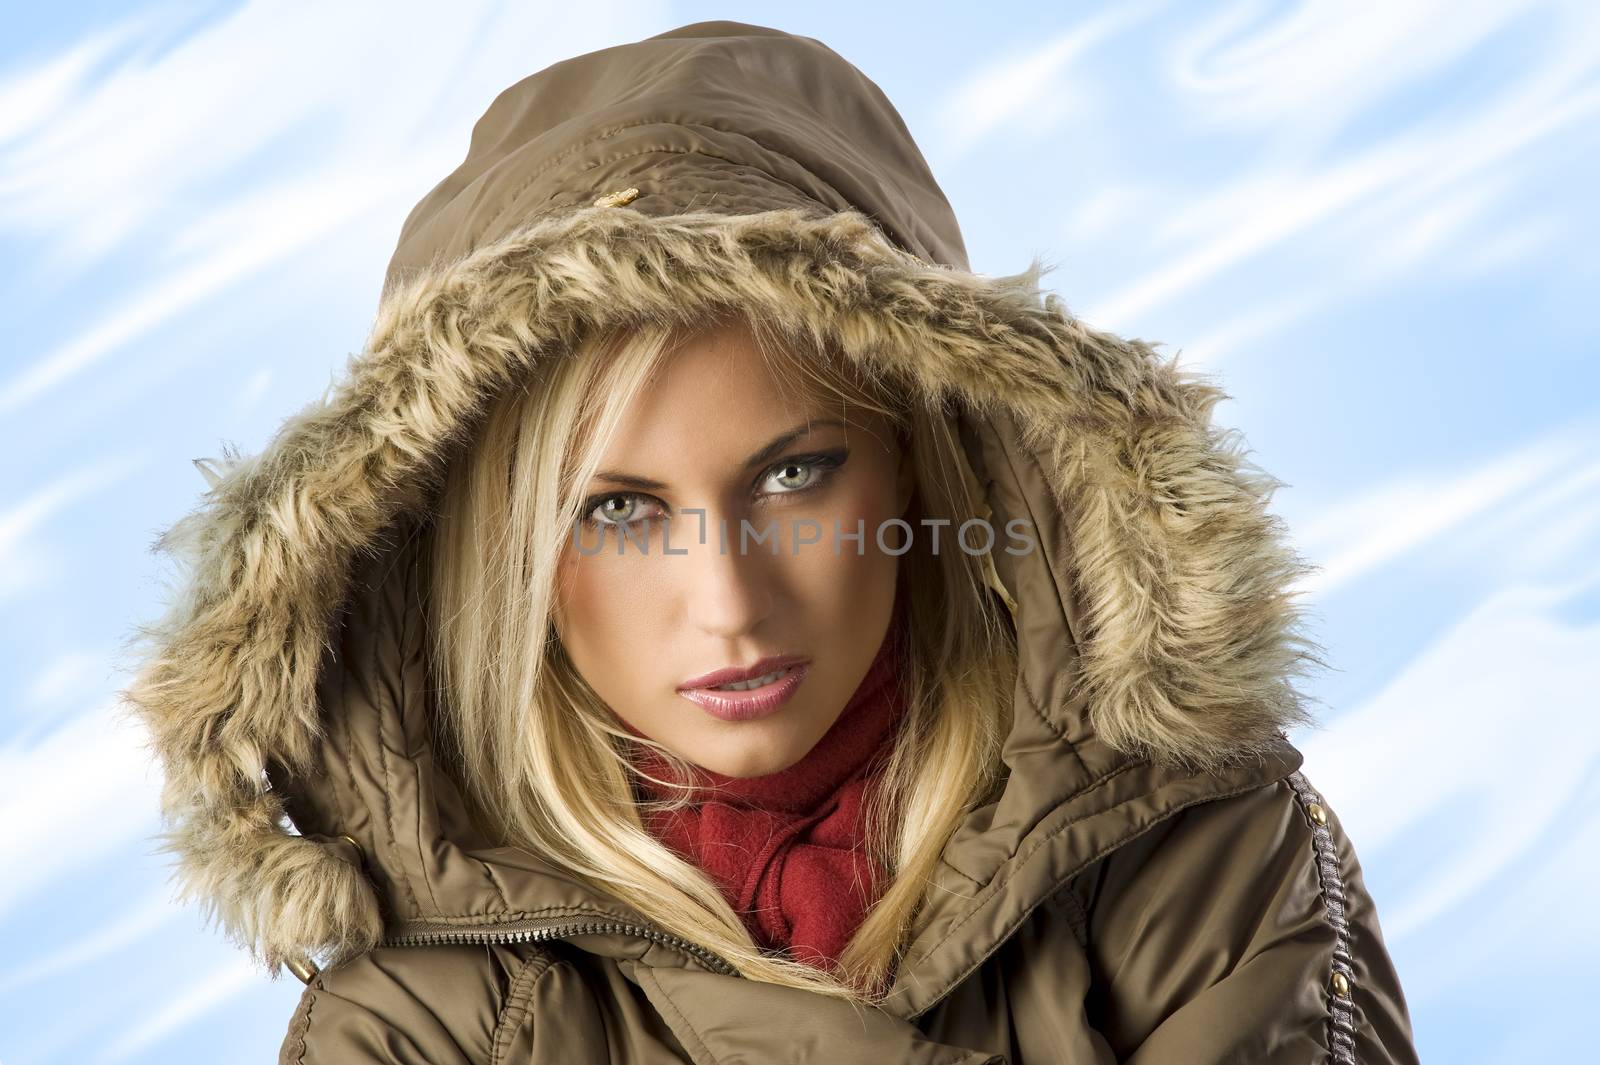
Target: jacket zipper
(531,935)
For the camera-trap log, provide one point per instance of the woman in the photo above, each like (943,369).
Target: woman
(457,709)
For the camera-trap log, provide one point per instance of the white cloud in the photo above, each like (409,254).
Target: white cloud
(1103,210)
(1418,231)
(1416,195)
(249,141)
(28,98)
(22,564)
(1028,90)
(244,237)
(183,1006)
(71,673)
(1509,244)
(1293,71)
(254,389)
(1246,327)
(71,797)
(1494,723)
(1515,514)
(120,929)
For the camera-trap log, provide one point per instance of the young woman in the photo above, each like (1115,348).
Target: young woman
(710,624)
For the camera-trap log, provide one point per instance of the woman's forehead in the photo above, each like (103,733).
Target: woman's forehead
(718,394)
(662,449)
(725,379)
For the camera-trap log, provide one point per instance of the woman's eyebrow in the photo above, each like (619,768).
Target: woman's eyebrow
(765,454)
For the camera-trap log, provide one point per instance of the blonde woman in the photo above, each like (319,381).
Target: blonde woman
(710,624)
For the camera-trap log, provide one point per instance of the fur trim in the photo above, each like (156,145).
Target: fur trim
(1192,634)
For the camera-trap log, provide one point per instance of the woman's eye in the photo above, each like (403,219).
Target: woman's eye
(786,478)
(792,475)
(619,509)
(796,475)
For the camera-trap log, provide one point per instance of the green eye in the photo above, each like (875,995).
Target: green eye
(616,514)
(791,476)
(803,473)
(794,475)
(617,508)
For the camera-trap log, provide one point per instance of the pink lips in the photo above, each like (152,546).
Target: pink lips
(746,705)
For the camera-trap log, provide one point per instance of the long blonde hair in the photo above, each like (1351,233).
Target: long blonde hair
(544,763)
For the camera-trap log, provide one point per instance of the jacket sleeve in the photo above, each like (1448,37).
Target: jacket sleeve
(1240,929)
(446,1005)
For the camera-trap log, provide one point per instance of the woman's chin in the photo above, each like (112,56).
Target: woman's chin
(753,755)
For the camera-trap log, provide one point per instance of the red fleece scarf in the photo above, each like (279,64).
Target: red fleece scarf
(786,848)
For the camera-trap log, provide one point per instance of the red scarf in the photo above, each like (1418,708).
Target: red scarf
(786,848)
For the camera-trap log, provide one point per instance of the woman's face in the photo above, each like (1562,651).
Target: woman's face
(681,599)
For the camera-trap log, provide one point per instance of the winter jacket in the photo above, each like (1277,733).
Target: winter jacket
(1154,880)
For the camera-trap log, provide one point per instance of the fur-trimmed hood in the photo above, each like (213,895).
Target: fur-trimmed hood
(735,166)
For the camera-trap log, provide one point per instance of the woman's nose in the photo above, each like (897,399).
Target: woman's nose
(729,590)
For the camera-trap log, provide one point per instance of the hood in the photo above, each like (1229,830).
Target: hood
(718,165)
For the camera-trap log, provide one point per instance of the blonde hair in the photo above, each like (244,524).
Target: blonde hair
(543,762)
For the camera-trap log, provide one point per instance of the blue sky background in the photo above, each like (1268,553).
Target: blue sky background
(1369,219)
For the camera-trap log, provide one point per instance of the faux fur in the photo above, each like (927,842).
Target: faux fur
(1192,634)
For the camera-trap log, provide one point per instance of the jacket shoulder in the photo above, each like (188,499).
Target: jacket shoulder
(432,1005)
(1241,928)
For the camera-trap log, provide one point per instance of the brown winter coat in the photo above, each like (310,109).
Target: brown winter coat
(1154,882)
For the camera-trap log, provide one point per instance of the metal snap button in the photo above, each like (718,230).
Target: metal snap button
(1341,985)
(303,968)
(1318,814)
(358,858)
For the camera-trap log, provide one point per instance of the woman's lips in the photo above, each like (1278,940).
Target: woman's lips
(735,674)
(745,705)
